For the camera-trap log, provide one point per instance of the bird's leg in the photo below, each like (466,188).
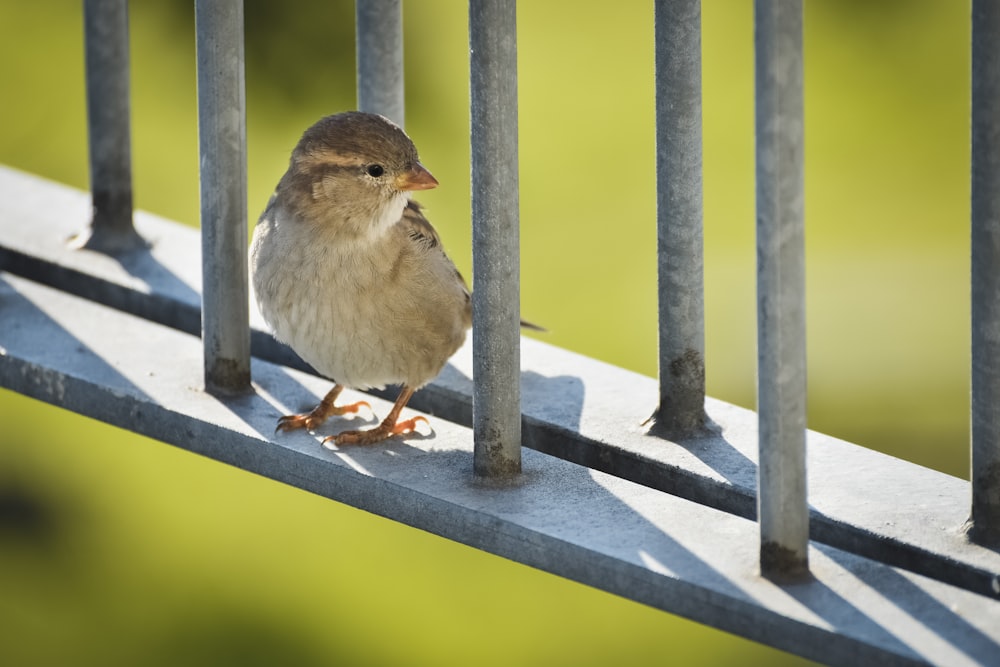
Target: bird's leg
(389,427)
(312,420)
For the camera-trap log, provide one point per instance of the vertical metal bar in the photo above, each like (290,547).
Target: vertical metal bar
(781,353)
(985,526)
(107,65)
(379,27)
(222,148)
(681,412)
(496,405)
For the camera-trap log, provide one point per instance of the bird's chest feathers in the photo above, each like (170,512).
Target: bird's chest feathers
(344,278)
(338,310)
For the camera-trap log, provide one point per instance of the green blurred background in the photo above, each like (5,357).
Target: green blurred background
(118,550)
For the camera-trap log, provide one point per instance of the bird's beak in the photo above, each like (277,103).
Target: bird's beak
(417,178)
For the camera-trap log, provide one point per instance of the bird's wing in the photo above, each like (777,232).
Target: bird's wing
(419,227)
(421,231)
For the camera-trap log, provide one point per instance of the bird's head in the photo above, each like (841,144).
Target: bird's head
(356,171)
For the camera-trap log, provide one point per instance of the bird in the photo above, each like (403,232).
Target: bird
(349,272)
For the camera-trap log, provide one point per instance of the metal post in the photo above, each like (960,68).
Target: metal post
(222,147)
(107,66)
(782,508)
(496,338)
(379,27)
(681,412)
(985,526)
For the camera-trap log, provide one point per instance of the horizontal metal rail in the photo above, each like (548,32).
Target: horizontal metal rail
(634,551)
(575,408)
(591,527)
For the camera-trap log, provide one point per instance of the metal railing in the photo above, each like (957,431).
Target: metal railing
(783,511)
(985,519)
(222,139)
(379,31)
(782,504)
(496,299)
(109,126)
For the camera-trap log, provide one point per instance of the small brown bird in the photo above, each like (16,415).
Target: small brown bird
(349,273)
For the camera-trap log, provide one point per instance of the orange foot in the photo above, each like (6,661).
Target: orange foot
(312,420)
(383,431)
(389,427)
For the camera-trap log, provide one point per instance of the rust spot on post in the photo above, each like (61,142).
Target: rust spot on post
(681,414)
(496,464)
(984,526)
(782,565)
(228,377)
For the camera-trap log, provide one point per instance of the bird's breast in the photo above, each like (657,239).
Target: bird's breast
(363,315)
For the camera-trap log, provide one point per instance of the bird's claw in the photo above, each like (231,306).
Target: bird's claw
(310,421)
(372,436)
(295,422)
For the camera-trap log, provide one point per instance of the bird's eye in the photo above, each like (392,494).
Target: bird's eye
(375,170)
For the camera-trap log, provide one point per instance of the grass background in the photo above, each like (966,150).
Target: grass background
(118,550)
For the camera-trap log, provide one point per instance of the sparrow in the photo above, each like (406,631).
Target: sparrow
(350,274)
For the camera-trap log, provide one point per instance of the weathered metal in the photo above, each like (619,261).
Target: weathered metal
(680,255)
(496,299)
(585,525)
(108,128)
(985,520)
(575,407)
(379,30)
(223,173)
(782,508)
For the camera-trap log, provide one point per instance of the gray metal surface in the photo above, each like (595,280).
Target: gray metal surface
(985,522)
(222,148)
(575,407)
(557,516)
(108,127)
(379,35)
(782,508)
(681,283)
(496,297)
